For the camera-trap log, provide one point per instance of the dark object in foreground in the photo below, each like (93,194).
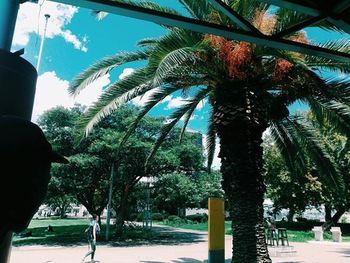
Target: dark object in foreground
(25,161)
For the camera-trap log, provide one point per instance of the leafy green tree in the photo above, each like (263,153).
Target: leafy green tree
(86,176)
(177,191)
(322,156)
(285,187)
(208,185)
(56,198)
(248,87)
(336,189)
(174,192)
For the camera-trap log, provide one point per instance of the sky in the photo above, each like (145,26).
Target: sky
(75,39)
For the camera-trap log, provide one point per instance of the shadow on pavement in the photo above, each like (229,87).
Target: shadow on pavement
(164,236)
(185,260)
(345,251)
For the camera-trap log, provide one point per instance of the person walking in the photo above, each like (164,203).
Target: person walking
(92,232)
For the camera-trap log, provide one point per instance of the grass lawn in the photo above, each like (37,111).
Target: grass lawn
(293,235)
(66,232)
(70,232)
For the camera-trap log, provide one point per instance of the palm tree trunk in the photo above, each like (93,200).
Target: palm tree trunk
(240,133)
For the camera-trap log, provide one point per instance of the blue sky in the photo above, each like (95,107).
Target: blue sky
(75,39)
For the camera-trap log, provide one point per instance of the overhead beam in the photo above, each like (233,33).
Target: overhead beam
(205,27)
(313,11)
(293,6)
(341,6)
(234,16)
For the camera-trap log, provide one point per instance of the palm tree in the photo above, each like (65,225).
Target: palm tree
(248,87)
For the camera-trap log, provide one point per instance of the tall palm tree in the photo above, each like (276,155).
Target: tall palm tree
(248,87)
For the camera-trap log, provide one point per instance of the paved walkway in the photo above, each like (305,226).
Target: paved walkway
(195,251)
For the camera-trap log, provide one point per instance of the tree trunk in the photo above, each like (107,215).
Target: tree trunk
(338,215)
(335,218)
(121,212)
(240,127)
(290,215)
(328,213)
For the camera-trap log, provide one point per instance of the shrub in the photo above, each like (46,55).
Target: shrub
(158,216)
(175,220)
(199,218)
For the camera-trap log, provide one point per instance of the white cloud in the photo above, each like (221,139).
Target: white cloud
(201,104)
(51,91)
(175,103)
(191,118)
(93,91)
(141,100)
(126,72)
(29,21)
(216,161)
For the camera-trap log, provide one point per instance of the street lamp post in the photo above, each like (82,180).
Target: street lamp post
(47,16)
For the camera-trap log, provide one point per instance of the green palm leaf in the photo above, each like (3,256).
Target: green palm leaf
(197,98)
(156,97)
(199,9)
(187,108)
(288,145)
(103,67)
(115,96)
(317,152)
(342,45)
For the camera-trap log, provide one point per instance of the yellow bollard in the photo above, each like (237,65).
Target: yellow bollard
(216,230)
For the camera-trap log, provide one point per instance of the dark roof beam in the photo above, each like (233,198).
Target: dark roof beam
(341,6)
(205,27)
(332,16)
(294,6)
(234,16)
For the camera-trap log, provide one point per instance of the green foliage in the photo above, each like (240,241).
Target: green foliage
(248,87)
(198,218)
(323,173)
(179,191)
(287,188)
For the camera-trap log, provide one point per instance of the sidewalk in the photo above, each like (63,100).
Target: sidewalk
(193,252)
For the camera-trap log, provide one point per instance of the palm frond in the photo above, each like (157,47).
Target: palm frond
(199,9)
(342,45)
(147,42)
(176,39)
(116,95)
(157,96)
(287,18)
(316,151)
(333,112)
(194,101)
(248,8)
(173,60)
(103,67)
(174,119)
(150,5)
(288,145)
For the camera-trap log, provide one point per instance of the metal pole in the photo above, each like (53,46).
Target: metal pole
(109,202)
(47,16)
(8,17)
